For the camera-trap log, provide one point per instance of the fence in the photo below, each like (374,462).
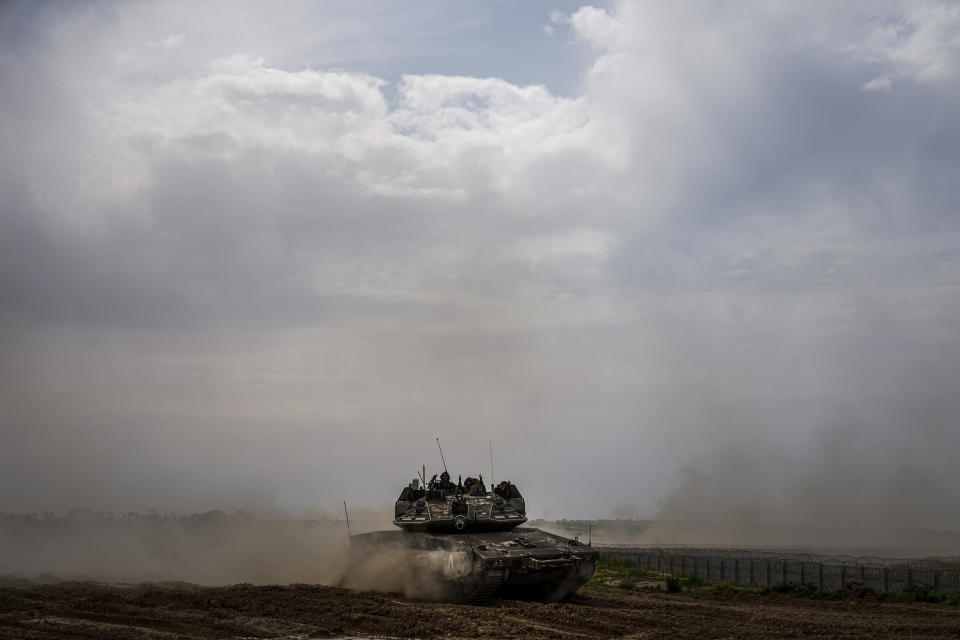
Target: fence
(767,568)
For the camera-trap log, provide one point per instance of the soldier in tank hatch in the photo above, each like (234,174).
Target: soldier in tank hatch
(506,490)
(445,483)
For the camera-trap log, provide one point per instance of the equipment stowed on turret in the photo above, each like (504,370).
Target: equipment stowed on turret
(480,530)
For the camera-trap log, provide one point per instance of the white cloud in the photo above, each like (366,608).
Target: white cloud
(430,144)
(601,30)
(916,41)
(880,83)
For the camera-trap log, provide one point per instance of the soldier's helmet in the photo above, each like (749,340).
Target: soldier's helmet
(444,476)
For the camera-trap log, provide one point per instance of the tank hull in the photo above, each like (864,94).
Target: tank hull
(522,563)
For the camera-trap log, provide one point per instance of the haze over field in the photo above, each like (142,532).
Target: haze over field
(678,261)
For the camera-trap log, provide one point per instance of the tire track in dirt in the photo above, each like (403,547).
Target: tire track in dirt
(304,611)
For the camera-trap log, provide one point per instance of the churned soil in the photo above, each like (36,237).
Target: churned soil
(154,611)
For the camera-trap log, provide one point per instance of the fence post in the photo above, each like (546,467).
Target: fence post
(766,570)
(722,567)
(751,572)
(884,579)
(736,569)
(820,575)
(783,571)
(860,573)
(909,577)
(843,576)
(802,574)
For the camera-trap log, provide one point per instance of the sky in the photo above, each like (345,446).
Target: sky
(685,260)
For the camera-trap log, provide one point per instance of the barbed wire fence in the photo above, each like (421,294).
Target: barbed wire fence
(768,568)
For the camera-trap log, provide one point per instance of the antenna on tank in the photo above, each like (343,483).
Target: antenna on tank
(347,516)
(441,454)
(491,463)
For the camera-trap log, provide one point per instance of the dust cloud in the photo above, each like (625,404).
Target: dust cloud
(219,548)
(876,491)
(212,548)
(429,575)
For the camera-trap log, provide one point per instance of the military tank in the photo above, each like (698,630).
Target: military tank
(467,543)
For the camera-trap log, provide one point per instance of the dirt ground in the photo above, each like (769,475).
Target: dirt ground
(85,610)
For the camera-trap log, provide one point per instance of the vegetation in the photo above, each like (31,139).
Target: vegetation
(921,593)
(624,573)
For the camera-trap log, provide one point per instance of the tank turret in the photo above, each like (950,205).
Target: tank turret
(442,506)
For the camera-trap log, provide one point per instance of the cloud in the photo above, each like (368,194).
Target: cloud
(597,27)
(880,83)
(278,262)
(919,42)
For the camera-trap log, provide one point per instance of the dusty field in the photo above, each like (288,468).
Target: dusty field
(83,610)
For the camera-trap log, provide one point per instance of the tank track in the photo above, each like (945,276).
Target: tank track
(489,584)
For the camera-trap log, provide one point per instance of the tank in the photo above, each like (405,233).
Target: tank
(467,544)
